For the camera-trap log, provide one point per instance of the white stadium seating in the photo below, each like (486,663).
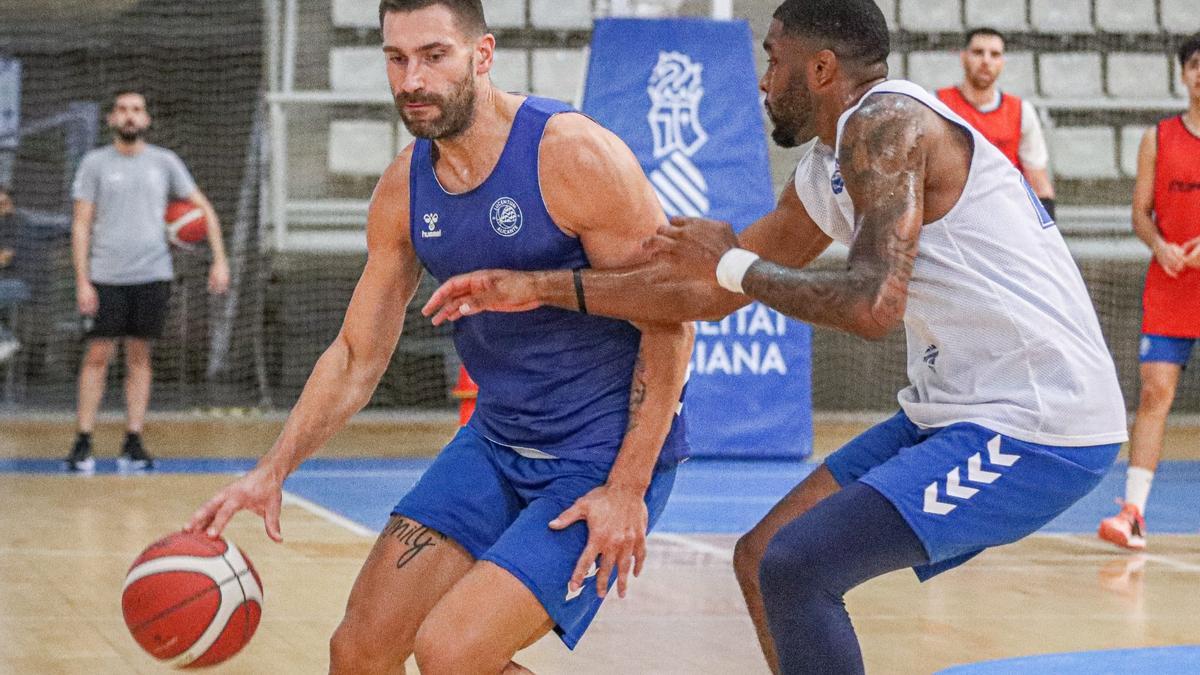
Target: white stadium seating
(510,69)
(1138,75)
(1126,16)
(360,147)
(1071,75)
(1018,76)
(888,7)
(935,16)
(1061,16)
(1181,17)
(1131,139)
(561,14)
(506,13)
(1004,15)
(1084,152)
(934,70)
(357,69)
(558,73)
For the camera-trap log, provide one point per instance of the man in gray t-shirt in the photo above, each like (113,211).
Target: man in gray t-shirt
(123,266)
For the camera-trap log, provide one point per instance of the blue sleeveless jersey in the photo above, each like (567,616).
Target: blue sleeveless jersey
(549,379)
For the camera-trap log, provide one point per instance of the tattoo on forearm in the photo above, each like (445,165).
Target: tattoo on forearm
(414,535)
(637,393)
(882,160)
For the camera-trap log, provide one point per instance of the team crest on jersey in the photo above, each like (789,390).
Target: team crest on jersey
(837,182)
(506,217)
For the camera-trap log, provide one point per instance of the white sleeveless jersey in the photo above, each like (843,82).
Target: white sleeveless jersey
(1001,330)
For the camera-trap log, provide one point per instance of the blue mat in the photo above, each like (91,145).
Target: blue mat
(1157,660)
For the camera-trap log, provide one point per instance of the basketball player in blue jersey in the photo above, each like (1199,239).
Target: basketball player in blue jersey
(1013,410)
(544,499)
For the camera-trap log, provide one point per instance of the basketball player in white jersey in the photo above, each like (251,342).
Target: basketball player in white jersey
(1013,411)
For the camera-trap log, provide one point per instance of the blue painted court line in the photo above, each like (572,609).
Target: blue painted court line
(710,496)
(1158,660)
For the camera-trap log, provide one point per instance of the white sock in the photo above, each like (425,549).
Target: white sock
(1137,487)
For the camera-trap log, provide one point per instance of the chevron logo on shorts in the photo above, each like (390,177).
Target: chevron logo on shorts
(975,474)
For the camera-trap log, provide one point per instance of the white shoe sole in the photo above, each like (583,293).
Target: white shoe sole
(87,466)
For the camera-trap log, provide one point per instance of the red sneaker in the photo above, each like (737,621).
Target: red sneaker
(1126,529)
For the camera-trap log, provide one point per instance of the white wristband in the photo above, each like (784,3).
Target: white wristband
(732,268)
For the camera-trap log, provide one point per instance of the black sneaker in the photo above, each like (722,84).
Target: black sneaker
(134,456)
(80,460)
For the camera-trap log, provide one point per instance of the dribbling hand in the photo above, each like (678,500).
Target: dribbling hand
(257,491)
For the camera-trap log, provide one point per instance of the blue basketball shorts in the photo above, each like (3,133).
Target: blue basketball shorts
(1160,348)
(498,505)
(964,488)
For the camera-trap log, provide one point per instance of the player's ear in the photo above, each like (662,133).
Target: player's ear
(485,52)
(822,69)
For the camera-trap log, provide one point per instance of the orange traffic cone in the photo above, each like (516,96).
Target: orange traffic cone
(465,390)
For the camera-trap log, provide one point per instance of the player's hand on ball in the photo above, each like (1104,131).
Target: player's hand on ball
(693,245)
(617,520)
(482,291)
(258,491)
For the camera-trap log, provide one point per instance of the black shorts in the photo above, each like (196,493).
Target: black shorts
(137,311)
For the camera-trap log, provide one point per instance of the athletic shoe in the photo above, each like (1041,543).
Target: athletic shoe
(8,347)
(1126,529)
(134,456)
(80,460)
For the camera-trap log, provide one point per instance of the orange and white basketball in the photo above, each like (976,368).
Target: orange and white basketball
(186,223)
(191,601)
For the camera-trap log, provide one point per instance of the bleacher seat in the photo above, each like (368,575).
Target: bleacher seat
(999,14)
(888,7)
(934,70)
(357,69)
(1018,76)
(1071,75)
(561,14)
(1126,16)
(896,69)
(558,73)
(510,69)
(1084,152)
(1138,75)
(1178,89)
(1181,17)
(360,147)
(505,13)
(1061,16)
(355,14)
(931,16)
(1131,140)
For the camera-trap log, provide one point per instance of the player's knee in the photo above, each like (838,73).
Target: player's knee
(748,555)
(787,568)
(352,651)
(98,354)
(1156,396)
(441,649)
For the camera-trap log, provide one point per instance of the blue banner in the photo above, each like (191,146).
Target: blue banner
(683,94)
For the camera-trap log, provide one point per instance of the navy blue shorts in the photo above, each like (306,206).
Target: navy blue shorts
(1160,348)
(964,488)
(498,505)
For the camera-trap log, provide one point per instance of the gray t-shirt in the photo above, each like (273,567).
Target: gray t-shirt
(130,192)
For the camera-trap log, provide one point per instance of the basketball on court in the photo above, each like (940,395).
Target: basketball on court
(186,223)
(191,601)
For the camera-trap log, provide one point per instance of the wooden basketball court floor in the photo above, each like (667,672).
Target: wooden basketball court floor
(66,542)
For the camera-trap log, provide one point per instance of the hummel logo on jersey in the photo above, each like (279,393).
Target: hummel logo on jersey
(975,474)
(930,358)
(592,571)
(837,183)
(431,224)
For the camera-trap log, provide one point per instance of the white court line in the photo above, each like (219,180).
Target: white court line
(694,544)
(1095,544)
(327,515)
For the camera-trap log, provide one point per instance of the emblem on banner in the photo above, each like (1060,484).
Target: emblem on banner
(676,88)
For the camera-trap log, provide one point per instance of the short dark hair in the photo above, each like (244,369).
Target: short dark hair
(985,31)
(468,13)
(127,91)
(1190,46)
(854,29)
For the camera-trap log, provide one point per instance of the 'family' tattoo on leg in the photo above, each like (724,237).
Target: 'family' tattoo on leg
(414,535)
